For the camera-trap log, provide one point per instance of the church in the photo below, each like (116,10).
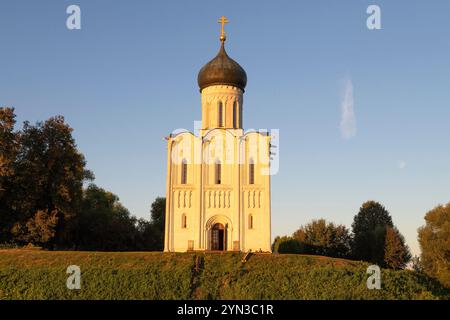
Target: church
(218,180)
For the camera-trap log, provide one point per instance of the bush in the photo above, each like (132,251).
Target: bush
(321,238)
(287,245)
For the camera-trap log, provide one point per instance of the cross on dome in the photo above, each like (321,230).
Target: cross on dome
(223,21)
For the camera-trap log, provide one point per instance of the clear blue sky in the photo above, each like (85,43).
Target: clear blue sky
(128,78)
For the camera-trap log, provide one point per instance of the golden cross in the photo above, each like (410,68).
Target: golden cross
(223,21)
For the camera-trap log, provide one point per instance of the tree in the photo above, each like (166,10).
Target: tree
(49,172)
(369,232)
(322,238)
(104,223)
(341,245)
(158,211)
(41,228)
(416,264)
(434,240)
(146,239)
(396,252)
(287,245)
(8,144)
(8,154)
(42,200)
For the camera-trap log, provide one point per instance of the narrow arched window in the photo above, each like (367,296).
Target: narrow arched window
(184,221)
(251,172)
(184,171)
(235,114)
(220,114)
(250,221)
(218,172)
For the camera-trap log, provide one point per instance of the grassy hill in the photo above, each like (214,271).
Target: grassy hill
(35,274)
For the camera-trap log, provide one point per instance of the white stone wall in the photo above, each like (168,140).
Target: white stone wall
(229,96)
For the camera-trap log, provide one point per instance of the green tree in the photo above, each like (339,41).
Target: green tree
(41,228)
(434,240)
(48,176)
(146,240)
(396,252)
(322,238)
(157,212)
(369,232)
(42,199)
(287,244)
(104,223)
(8,154)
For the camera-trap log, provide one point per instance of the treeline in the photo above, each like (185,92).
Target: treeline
(43,201)
(374,238)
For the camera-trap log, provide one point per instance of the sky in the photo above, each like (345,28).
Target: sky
(363,114)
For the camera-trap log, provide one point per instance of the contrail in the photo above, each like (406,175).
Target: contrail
(348,119)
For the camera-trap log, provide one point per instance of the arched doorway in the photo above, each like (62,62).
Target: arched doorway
(218,241)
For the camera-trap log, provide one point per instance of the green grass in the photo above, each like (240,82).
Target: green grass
(35,274)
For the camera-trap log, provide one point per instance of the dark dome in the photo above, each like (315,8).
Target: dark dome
(222,70)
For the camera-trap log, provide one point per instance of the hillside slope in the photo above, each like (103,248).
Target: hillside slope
(32,274)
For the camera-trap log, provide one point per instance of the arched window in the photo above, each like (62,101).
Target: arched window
(250,221)
(184,221)
(184,171)
(218,172)
(251,172)
(235,114)
(220,114)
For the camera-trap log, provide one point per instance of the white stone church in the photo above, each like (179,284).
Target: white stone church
(218,182)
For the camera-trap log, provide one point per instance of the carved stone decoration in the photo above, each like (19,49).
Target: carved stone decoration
(220,195)
(254,198)
(225,199)
(209,199)
(259,199)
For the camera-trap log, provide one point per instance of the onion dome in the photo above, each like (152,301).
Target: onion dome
(222,70)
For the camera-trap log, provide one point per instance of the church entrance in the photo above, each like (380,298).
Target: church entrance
(218,237)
